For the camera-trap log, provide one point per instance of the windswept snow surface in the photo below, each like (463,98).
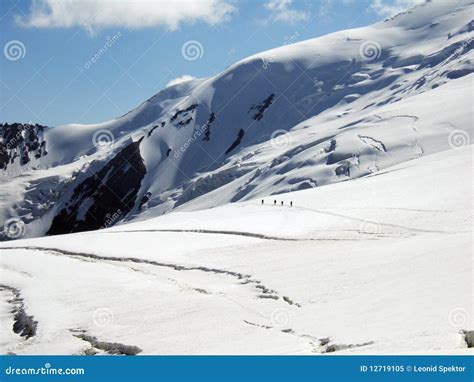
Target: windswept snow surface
(314,113)
(380,264)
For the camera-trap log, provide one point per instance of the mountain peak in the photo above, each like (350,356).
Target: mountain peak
(308,114)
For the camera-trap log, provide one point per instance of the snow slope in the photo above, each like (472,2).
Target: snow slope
(380,264)
(314,113)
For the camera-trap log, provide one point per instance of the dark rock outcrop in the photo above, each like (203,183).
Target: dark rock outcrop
(260,108)
(113,188)
(236,142)
(21,140)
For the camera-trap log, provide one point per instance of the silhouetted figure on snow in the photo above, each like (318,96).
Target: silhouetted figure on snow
(144,200)
(291,204)
(282,202)
(274,202)
(262,201)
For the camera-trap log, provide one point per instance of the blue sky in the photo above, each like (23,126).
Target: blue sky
(48,75)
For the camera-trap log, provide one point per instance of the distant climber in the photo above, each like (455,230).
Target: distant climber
(144,201)
(274,202)
(291,204)
(262,201)
(282,202)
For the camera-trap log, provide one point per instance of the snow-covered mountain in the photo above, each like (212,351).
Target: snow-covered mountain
(377,261)
(305,115)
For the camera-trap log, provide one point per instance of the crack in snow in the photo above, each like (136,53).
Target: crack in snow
(112,348)
(319,345)
(246,279)
(236,233)
(221,232)
(375,143)
(337,347)
(23,324)
(468,336)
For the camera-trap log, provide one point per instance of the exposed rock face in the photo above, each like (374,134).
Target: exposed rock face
(111,189)
(21,140)
(260,108)
(237,141)
(23,324)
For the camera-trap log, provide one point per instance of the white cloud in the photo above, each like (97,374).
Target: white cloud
(390,8)
(178,80)
(280,10)
(96,14)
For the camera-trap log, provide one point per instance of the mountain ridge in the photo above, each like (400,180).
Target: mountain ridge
(309,114)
